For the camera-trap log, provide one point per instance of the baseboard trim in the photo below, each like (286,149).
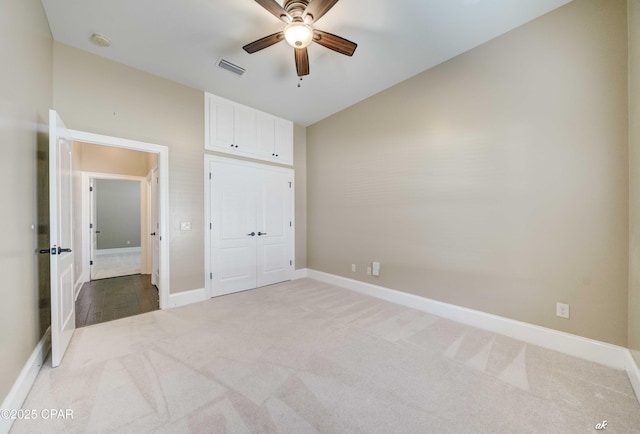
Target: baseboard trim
(633,371)
(187,297)
(25,380)
(118,251)
(300,274)
(578,346)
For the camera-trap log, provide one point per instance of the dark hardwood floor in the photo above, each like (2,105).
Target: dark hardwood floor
(118,297)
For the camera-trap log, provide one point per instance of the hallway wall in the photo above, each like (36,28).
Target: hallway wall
(25,97)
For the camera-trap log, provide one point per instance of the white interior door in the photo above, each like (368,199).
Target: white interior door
(233,231)
(93,227)
(250,214)
(155,227)
(275,227)
(63,319)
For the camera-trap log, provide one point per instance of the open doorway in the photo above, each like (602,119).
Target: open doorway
(116,208)
(116,247)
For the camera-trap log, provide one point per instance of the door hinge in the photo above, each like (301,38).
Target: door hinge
(157,180)
(90,225)
(290,224)
(209,175)
(290,183)
(90,188)
(210,226)
(90,262)
(210,276)
(291,262)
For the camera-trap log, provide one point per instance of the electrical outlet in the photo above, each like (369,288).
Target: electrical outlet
(353,267)
(562,310)
(376,268)
(369,271)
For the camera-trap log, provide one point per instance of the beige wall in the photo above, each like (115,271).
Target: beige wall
(106,159)
(300,164)
(25,97)
(100,96)
(634,178)
(495,181)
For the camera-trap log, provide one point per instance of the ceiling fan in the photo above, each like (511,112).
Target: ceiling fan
(299,15)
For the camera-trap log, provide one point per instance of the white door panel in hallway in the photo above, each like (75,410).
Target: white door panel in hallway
(63,320)
(155,226)
(250,222)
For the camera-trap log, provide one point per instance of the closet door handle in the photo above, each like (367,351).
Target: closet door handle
(262,233)
(252,234)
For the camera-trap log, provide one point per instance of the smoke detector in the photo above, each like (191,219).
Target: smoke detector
(100,40)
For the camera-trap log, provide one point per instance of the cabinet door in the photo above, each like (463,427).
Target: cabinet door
(220,123)
(266,136)
(275,226)
(245,131)
(233,215)
(284,141)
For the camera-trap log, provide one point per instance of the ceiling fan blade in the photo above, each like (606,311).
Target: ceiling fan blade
(275,9)
(265,42)
(302,61)
(335,43)
(316,9)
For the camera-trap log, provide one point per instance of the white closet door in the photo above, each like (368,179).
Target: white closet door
(275,227)
(233,212)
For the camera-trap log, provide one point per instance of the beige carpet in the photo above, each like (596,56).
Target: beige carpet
(304,357)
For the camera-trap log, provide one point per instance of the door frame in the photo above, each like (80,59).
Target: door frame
(87,202)
(208,159)
(163,206)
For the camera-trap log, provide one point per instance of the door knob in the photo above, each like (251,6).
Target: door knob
(252,234)
(61,250)
(262,233)
(153,234)
(43,251)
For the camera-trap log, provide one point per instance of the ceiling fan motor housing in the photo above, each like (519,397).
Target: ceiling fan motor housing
(295,8)
(299,15)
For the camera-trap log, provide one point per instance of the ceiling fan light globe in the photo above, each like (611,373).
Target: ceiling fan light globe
(298,34)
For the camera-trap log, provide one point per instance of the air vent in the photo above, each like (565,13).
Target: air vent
(225,64)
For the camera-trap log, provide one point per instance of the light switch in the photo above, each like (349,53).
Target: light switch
(185,226)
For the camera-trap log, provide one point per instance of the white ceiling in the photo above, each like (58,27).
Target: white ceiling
(182,41)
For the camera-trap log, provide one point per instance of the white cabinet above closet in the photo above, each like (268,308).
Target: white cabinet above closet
(236,129)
